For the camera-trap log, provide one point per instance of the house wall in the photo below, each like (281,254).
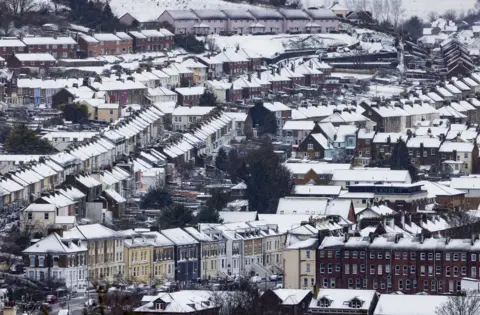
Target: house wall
(239,26)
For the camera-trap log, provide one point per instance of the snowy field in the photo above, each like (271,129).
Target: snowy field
(269,45)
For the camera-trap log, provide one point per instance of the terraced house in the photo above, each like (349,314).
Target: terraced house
(105,257)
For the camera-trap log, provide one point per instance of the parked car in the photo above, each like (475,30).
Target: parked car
(255,279)
(275,277)
(90,302)
(51,299)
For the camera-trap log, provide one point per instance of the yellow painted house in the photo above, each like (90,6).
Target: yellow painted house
(138,255)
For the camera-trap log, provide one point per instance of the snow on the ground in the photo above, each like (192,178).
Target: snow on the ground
(385,90)
(419,8)
(148,10)
(347,75)
(270,45)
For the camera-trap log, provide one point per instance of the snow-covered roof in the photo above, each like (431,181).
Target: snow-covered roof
(105,37)
(294,14)
(237,216)
(238,14)
(406,304)
(276,106)
(291,296)
(35,57)
(91,232)
(448,146)
(194,90)
(11,43)
(372,175)
(318,14)
(339,299)
(49,41)
(302,205)
(207,14)
(317,190)
(306,125)
(179,236)
(436,189)
(266,14)
(192,111)
(319,168)
(428,142)
(54,244)
(115,196)
(40,207)
(182,14)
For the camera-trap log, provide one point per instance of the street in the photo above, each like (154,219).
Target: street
(77,304)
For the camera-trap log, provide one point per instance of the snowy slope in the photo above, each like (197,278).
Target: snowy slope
(269,45)
(147,10)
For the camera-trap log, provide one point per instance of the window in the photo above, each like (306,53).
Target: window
(465,155)
(397,255)
(425,153)
(350,283)
(322,254)
(422,256)
(372,269)
(407,285)
(380,255)
(430,256)
(438,270)
(464,256)
(455,271)
(447,256)
(322,268)
(375,284)
(425,285)
(45,215)
(307,267)
(355,254)
(400,284)
(397,269)
(307,254)
(329,268)
(30,216)
(405,269)
(438,256)
(464,271)
(337,267)
(41,261)
(337,253)
(387,269)
(455,257)
(473,272)
(362,268)
(447,271)
(354,269)
(474,257)
(380,269)
(372,255)
(413,256)
(432,152)
(362,255)
(32,260)
(422,270)
(430,270)
(347,254)
(412,269)
(347,269)
(387,255)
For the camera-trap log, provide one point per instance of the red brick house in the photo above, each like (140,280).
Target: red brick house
(41,60)
(189,95)
(58,47)
(233,63)
(9,46)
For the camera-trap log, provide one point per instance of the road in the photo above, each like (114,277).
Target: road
(77,304)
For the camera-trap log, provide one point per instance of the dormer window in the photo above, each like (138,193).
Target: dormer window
(160,306)
(324,302)
(355,303)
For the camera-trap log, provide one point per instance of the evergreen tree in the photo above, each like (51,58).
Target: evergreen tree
(270,124)
(156,199)
(109,22)
(221,161)
(207,99)
(400,160)
(414,27)
(266,178)
(232,166)
(22,140)
(176,216)
(208,215)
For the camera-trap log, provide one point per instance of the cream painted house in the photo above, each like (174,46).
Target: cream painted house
(105,257)
(300,259)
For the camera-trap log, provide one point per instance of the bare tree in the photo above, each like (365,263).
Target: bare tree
(432,16)
(450,15)
(20,7)
(212,46)
(386,10)
(397,11)
(377,10)
(460,305)
(460,218)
